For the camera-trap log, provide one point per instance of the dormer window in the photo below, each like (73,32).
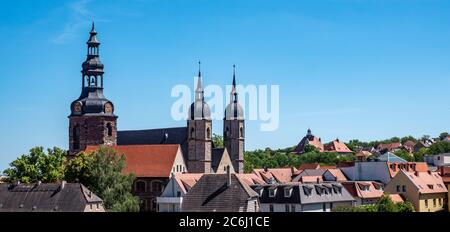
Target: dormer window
(430,186)
(287,192)
(307,190)
(272,192)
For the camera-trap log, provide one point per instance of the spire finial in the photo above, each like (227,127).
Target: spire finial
(93,28)
(234,75)
(199,68)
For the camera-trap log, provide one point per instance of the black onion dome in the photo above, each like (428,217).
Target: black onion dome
(199,110)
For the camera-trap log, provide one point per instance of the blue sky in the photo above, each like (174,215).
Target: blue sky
(367,69)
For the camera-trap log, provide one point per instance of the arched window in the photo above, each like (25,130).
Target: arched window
(241,132)
(140,186)
(192,132)
(156,186)
(208,133)
(76,137)
(109,129)
(227,132)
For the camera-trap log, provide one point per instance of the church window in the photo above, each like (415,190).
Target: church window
(241,132)
(208,133)
(227,132)
(109,129)
(76,137)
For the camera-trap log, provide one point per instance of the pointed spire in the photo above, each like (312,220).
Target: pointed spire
(199,91)
(93,28)
(234,76)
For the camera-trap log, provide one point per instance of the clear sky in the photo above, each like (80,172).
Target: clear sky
(366,69)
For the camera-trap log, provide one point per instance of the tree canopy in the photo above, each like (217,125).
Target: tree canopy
(384,204)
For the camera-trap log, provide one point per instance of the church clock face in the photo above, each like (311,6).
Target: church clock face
(109,108)
(77,107)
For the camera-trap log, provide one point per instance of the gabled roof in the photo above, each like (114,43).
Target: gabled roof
(187,180)
(389,147)
(396,198)
(426,182)
(337,146)
(311,140)
(213,194)
(53,197)
(337,173)
(146,160)
(280,175)
(250,178)
(310,179)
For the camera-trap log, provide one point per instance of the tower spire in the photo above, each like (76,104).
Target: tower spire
(234,76)
(199,91)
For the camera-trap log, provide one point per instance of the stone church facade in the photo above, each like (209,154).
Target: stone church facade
(92,122)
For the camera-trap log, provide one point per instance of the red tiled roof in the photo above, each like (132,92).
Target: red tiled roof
(357,189)
(187,180)
(310,179)
(427,182)
(396,198)
(363,154)
(250,179)
(389,146)
(281,175)
(337,146)
(309,166)
(337,173)
(146,160)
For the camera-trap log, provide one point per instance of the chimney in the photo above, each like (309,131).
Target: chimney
(416,173)
(63,184)
(318,180)
(228,176)
(266,169)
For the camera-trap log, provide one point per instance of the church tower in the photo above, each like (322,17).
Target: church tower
(234,129)
(92,120)
(199,127)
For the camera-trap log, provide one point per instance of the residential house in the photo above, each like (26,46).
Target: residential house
(447,139)
(364,192)
(362,156)
(297,197)
(309,175)
(389,147)
(441,160)
(409,146)
(334,175)
(153,165)
(338,147)
(53,197)
(379,171)
(276,175)
(425,190)
(171,199)
(445,175)
(221,193)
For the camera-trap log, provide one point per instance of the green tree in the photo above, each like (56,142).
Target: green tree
(439,148)
(443,135)
(101,172)
(217,141)
(38,166)
(404,155)
(408,138)
(418,156)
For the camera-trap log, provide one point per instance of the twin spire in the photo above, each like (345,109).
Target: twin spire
(200,92)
